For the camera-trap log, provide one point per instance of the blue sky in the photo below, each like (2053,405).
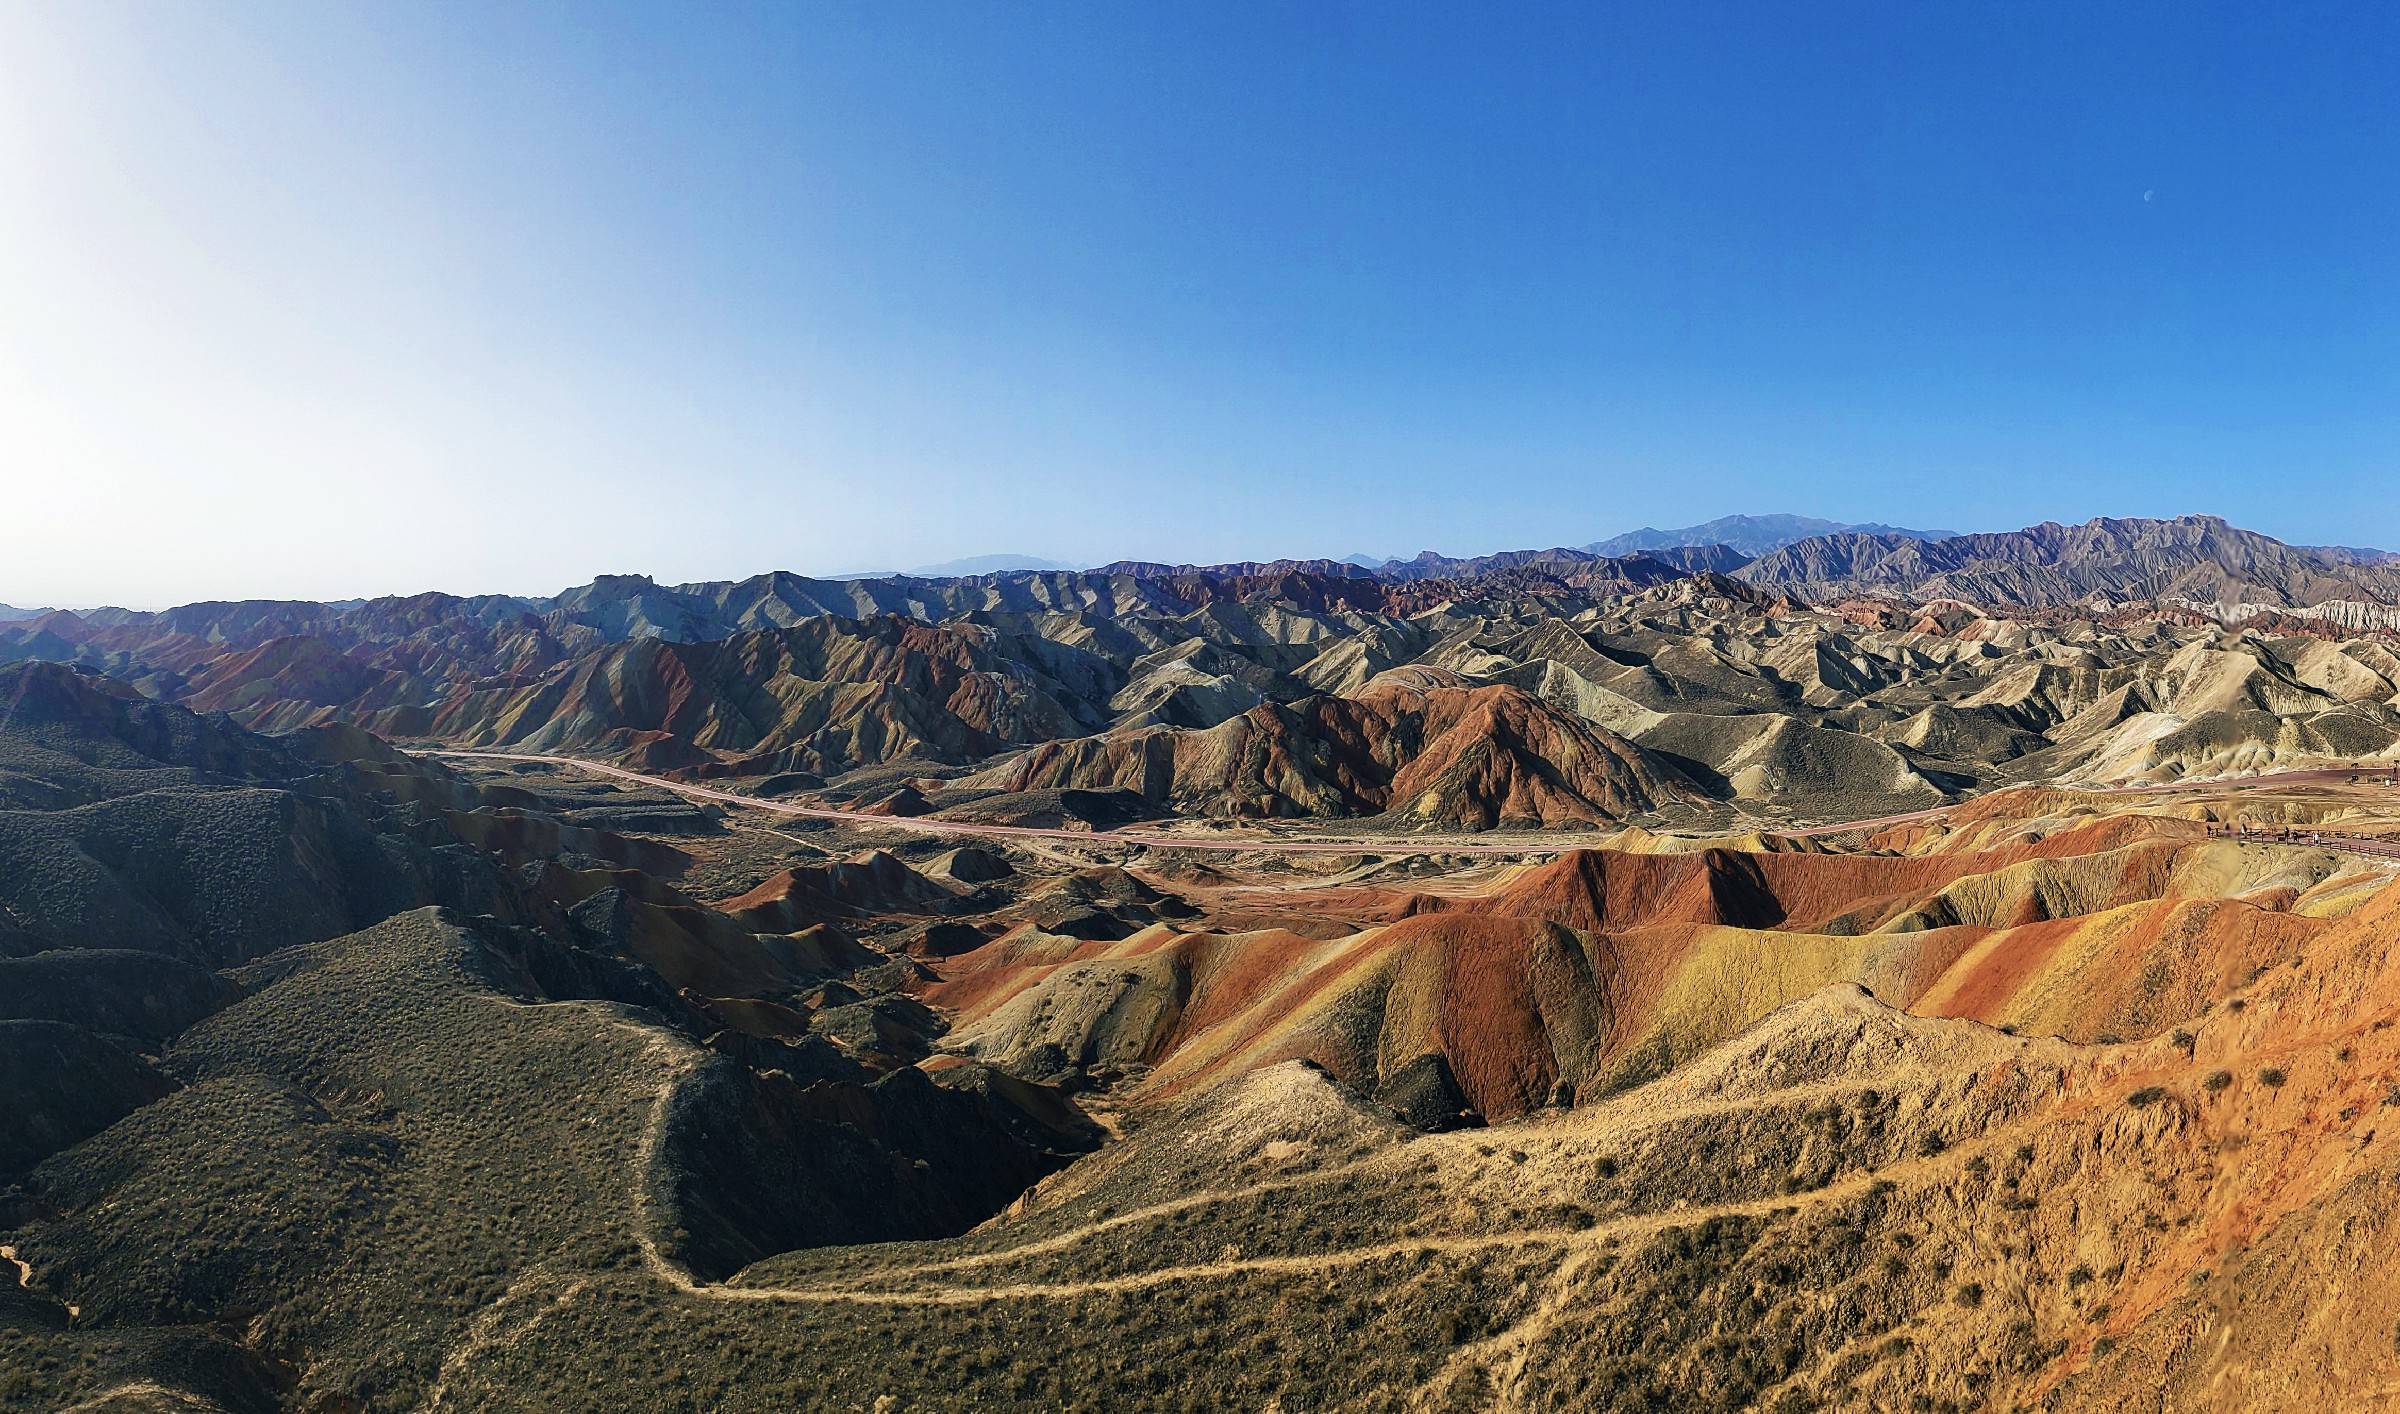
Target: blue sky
(327,300)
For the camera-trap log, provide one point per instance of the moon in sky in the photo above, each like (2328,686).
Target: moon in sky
(2149,194)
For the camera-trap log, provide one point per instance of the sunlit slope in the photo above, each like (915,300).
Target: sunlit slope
(1840,1205)
(1604,967)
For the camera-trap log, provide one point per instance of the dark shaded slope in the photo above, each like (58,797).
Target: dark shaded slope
(132,824)
(401,1127)
(64,1084)
(134,994)
(764,1163)
(213,876)
(70,737)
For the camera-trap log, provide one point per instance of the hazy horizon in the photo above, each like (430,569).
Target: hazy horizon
(316,302)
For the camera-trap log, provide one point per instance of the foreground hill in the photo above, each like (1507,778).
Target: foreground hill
(281,1016)
(1839,1204)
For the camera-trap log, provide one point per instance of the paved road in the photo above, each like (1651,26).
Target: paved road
(1387,846)
(1129,836)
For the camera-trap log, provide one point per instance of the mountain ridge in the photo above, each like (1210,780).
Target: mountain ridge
(1752,535)
(1847,559)
(2200,558)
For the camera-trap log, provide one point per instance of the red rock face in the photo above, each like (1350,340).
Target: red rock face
(1473,758)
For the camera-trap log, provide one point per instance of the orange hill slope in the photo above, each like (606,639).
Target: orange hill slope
(1906,1211)
(1603,968)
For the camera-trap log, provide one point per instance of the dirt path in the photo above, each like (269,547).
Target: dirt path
(489,1329)
(677,1060)
(1502,1358)
(1624,1116)
(136,1394)
(25,1278)
(1570,1239)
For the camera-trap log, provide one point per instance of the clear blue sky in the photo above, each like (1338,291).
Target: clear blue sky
(340,299)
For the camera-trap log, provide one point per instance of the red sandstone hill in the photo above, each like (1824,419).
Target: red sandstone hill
(1420,748)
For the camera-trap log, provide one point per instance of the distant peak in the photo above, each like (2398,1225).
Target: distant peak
(986,564)
(1750,534)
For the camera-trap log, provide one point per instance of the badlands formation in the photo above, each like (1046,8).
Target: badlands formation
(1849,968)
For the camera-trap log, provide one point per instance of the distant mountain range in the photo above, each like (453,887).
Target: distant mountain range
(1752,535)
(2201,561)
(2354,555)
(962,568)
(2196,559)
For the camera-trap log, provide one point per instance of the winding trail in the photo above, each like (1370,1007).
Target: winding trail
(489,1329)
(1624,1116)
(1569,1240)
(25,1279)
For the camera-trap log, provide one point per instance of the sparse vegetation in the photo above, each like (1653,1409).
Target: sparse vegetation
(382,1156)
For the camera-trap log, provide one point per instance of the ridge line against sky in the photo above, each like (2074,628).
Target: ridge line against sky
(942,571)
(330,302)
